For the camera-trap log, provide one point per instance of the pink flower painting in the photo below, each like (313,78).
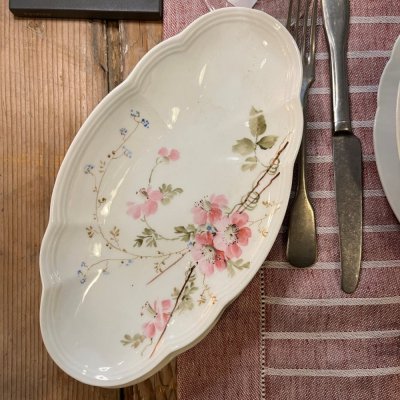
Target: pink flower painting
(171,155)
(161,314)
(232,234)
(150,205)
(209,210)
(206,255)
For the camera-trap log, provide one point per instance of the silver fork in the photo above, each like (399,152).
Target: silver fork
(301,248)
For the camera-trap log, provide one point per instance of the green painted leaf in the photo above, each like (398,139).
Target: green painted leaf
(148,231)
(251,159)
(237,264)
(133,341)
(168,193)
(186,300)
(175,293)
(248,167)
(267,142)
(90,231)
(180,229)
(243,147)
(230,269)
(149,237)
(114,232)
(257,122)
(186,233)
(138,242)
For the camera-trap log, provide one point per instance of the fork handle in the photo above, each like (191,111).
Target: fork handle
(336,22)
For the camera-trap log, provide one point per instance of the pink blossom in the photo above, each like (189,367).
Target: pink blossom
(147,208)
(163,152)
(206,255)
(134,210)
(160,312)
(172,154)
(209,210)
(232,234)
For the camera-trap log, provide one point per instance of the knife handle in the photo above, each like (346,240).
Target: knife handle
(336,15)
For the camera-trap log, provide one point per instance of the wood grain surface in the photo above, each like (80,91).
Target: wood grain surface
(52,74)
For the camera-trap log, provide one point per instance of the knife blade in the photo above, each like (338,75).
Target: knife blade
(347,153)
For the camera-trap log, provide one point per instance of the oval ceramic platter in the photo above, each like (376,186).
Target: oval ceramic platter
(170,197)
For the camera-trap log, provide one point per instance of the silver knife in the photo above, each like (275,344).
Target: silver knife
(347,154)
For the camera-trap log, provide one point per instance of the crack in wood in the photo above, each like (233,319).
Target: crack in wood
(114,54)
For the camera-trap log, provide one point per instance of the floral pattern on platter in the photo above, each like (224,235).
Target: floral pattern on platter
(212,243)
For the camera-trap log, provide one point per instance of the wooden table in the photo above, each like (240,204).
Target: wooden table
(53,73)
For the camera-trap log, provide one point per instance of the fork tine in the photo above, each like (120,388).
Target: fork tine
(289,17)
(305,26)
(314,15)
(297,23)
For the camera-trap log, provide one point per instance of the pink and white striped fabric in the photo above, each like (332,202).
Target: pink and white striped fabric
(293,334)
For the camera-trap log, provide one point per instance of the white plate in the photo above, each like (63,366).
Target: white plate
(171,158)
(385,143)
(398,118)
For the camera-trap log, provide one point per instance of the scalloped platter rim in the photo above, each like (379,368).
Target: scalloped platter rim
(171,197)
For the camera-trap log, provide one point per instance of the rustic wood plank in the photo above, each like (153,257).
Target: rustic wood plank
(130,41)
(161,386)
(114,56)
(52,73)
(137,38)
(127,43)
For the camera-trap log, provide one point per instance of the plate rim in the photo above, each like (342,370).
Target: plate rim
(385,147)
